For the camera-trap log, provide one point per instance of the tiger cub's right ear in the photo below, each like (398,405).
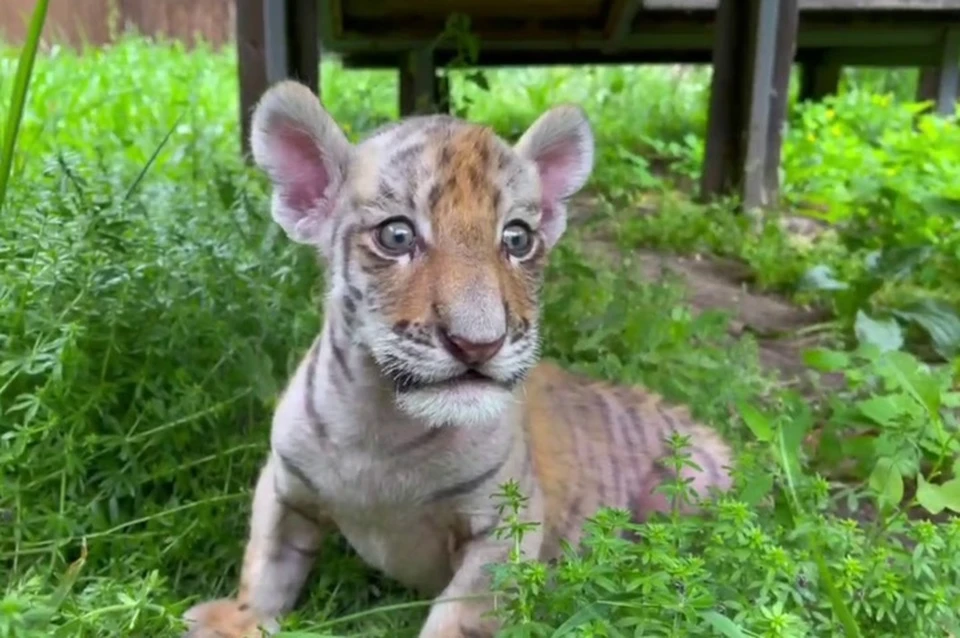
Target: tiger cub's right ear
(305,154)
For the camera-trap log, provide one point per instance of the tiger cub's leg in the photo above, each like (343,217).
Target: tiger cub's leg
(463,609)
(280,552)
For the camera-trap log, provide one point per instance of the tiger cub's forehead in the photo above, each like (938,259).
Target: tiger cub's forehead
(459,176)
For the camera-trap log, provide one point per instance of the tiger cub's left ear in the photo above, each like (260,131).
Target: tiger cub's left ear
(560,143)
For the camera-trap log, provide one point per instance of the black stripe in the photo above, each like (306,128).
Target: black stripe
(639,427)
(347,253)
(299,511)
(306,553)
(484,532)
(296,509)
(465,487)
(290,466)
(635,451)
(406,154)
(606,427)
(666,413)
(340,357)
(318,425)
(420,440)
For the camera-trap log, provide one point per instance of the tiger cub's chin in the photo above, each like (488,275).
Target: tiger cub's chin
(464,405)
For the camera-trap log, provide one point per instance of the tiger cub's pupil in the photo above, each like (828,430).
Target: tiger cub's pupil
(517,239)
(396,236)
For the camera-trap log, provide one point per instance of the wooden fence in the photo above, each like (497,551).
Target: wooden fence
(98,22)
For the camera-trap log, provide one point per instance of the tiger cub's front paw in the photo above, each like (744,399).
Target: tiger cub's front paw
(226,618)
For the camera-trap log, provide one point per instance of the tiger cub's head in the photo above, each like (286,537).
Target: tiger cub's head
(434,232)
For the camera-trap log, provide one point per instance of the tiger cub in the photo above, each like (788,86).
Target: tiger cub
(423,394)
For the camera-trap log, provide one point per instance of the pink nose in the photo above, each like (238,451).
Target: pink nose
(469,352)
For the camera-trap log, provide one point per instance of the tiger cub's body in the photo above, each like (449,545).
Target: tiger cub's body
(423,394)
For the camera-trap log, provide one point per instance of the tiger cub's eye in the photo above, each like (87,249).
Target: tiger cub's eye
(517,239)
(396,236)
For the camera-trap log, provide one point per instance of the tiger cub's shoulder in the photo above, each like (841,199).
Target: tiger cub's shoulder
(611,433)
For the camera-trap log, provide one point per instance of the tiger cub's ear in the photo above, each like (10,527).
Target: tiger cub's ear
(305,154)
(560,143)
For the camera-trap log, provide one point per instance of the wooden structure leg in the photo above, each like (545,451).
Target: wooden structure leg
(941,84)
(276,39)
(752,57)
(819,78)
(422,90)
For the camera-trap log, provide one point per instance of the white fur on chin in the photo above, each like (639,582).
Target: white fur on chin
(457,407)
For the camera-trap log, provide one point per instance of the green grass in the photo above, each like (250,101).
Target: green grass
(150,313)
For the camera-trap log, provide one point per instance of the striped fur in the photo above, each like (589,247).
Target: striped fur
(377,436)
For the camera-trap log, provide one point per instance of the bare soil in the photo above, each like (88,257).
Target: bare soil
(717,283)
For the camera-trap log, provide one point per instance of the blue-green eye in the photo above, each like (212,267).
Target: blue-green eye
(517,239)
(396,236)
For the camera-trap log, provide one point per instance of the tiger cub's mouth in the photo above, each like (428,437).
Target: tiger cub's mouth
(472,378)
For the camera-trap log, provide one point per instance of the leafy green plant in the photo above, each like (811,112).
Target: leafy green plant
(150,312)
(867,310)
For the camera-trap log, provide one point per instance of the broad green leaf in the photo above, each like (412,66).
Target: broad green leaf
(724,625)
(942,206)
(757,488)
(758,422)
(821,277)
(882,410)
(886,481)
(898,262)
(923,386)
(939,320)
(826,360)
(885,334)
(950,492)
(930,496)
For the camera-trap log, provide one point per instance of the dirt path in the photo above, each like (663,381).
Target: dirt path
(717,283)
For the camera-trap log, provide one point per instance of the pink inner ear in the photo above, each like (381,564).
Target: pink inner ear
(299,164)
(556,164)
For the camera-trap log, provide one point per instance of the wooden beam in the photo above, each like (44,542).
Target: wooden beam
(251,63)
(819,77)
(752,56)
(940,84)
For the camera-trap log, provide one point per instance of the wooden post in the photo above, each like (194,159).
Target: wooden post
(251,63)
(940,84)
(752,57)
(819,78)
(788,19)
(420,88)
(276,39)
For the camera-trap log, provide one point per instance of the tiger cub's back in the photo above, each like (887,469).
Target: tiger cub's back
(596,444)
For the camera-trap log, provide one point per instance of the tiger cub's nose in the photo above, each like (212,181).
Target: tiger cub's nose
(472,353)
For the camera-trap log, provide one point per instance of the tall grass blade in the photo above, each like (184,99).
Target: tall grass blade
(19,95)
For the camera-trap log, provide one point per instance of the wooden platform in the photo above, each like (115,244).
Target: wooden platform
(752,45)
